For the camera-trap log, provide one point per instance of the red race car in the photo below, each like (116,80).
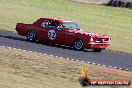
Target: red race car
(63,32)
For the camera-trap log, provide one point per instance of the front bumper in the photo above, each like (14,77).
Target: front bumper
(92,45)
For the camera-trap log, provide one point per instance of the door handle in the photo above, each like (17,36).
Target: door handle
(69,33)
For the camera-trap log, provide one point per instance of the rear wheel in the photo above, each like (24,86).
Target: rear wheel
(31,36)
(97,50)
(78,45)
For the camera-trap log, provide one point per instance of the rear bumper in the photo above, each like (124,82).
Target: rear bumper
(97,45)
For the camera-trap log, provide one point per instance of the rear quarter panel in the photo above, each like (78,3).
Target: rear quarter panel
(22,28)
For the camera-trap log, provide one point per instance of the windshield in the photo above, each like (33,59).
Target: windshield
(70,26)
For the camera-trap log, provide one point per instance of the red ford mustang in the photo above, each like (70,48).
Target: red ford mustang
(63,32)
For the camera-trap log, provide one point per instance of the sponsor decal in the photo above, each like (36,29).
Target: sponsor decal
(86,81)
(51,34)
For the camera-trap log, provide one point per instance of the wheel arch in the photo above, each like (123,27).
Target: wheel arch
(33,31)
(77,38)
(28,30)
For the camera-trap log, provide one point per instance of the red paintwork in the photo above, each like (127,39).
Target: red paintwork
(65,37)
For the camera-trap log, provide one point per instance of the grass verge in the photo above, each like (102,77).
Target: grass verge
(19,69)
(115,22)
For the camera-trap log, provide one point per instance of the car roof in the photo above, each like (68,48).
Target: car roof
(58,19)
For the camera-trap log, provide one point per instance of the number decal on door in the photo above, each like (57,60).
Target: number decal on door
(52,34)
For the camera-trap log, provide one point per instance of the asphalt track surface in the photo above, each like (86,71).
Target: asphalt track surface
(107,58)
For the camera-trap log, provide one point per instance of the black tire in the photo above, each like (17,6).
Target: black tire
(114,3)
(109,3)
(122,4)
(119,4)
(78,45)
(85,81)
(130,6)
(31,36)
(127,4)
(97,50)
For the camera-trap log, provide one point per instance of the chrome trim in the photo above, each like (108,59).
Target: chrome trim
(92,43)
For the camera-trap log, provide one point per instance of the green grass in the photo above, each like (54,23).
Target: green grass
(115,22)
(19,69)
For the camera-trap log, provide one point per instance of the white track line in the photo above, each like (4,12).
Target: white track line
(93,63)
(30,51)
(51,55)
(82,61)
(10,47)
(72,59)
(24,50)
(120,68)
(14,48)
(19,49)
(60,57)
(109,66)
(127,69)
(34,52)
(77,60)
(66,58)
(56,56)
(104,65)
(3,46)
(99,64)
(115,67)
(45,54)
(88,62)
(40,53)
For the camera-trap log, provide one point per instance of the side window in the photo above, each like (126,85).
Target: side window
(45,24)
(50,24)
(60,27)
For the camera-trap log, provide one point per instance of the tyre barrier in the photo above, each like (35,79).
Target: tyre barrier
(120,3)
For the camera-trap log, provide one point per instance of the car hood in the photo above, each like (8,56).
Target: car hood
(89,34)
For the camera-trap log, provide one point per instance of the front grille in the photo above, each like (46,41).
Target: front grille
(101,40)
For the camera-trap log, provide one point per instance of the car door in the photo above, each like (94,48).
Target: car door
(49,32)
(68,37)
(60,36)
(63,36)
(43,31)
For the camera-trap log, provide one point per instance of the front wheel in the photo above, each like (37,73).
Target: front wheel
(97,50)
(78,45)
(31,36)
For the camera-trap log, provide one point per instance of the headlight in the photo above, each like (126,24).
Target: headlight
(91,39)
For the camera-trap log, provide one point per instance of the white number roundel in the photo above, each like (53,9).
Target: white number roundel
(52,34)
